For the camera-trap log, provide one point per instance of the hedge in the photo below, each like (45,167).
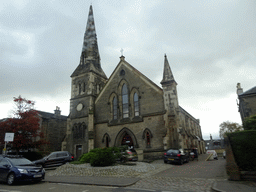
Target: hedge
(243,144)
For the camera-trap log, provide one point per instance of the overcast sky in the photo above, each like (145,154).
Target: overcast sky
(210,45)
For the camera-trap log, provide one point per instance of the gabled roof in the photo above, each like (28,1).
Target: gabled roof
(135,71)
(249,92)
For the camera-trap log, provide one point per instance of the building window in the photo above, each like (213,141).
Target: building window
(148,139)
(114,108)
(79,131)
(122,72)
(136,104)
(107,141)
(80,88)
(147,135)
(84,87)
(125,101)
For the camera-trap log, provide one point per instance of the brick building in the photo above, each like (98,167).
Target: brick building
(125,109)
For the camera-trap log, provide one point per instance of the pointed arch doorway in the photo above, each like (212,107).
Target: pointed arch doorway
(126,137)
(127,140)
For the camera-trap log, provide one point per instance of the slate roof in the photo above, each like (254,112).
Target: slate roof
(249,92)
(48,115)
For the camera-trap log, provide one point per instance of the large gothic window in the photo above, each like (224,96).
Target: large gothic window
(79,131)
(136,105)
(114,108)
(125,101)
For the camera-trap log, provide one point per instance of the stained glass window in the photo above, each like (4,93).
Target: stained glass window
(125,101)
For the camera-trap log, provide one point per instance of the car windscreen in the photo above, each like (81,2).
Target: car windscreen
(20,161)
(173,151)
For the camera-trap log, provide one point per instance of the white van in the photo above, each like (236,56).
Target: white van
(214,154)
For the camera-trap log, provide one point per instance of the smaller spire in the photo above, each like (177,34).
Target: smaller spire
(167,74)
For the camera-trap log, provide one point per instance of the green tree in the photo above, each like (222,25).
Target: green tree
(229,127)
(250,123)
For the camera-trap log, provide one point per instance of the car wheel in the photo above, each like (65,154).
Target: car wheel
(165,161)
(188,159)
(181,161)
(10,179)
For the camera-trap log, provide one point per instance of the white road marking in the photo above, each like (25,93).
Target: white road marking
(139,189)
(108,187)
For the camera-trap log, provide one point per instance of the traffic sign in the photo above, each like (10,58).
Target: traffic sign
(9,137)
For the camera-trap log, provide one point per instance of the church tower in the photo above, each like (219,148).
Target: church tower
(87,81)
(171,104)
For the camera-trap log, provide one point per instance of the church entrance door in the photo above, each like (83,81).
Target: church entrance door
(127,140)
(78,151)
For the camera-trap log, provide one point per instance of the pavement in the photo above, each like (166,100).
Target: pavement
(193,176)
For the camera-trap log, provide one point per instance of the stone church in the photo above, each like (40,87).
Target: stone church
(125,109)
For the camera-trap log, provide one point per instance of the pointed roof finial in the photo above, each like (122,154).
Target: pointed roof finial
(167,74)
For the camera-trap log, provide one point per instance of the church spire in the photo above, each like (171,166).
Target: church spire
(90,57)
(90,45)
(167,74)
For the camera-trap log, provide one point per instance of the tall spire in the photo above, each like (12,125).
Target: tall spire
(90,57)
(167,74)
(90,44)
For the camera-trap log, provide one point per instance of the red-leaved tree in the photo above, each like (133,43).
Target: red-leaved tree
(25,125)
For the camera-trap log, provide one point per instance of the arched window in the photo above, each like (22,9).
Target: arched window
(147,135)
(148,139)
(114,108)
(125,101)
(84,87)
(107,141)
(80,88)
(79,131)
(136,105)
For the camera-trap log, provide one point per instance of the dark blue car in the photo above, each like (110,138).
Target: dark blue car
(16,168)
(176,156)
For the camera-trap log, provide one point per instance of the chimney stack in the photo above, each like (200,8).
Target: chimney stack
(57,112)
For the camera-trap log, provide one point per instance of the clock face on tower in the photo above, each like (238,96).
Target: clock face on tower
(79,107)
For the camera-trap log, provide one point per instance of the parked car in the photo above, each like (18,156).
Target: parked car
(176,156)
(15,168)
(191,153)
(127,154)
(56,158)
(132,155)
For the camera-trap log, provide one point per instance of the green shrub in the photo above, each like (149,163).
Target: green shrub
(85,158)
(103,157)
(244,147)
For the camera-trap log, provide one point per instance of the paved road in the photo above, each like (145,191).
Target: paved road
(197,169)
(193,176)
